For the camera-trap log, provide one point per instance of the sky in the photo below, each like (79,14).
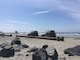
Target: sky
(40,15)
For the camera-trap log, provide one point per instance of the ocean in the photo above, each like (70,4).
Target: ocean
(66,34)
(69,34)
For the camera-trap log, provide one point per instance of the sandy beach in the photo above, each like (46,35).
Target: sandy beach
(32,42)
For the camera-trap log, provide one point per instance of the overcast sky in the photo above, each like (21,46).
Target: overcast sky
(41,15)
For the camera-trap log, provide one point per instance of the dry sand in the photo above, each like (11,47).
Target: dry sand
(60,47)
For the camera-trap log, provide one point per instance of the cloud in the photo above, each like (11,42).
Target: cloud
(71,7)
(41,12)
(12,25)
(17,22)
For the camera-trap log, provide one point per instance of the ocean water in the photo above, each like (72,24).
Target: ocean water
(66,34)
(69,34)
